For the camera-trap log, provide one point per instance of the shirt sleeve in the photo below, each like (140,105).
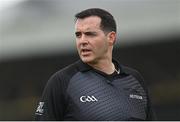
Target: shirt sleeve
(51,105)
(149,111)
(150,115)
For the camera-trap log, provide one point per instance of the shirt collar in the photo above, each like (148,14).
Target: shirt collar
(119,66)
(83,67)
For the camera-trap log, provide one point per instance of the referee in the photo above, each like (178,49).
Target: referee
(96,87)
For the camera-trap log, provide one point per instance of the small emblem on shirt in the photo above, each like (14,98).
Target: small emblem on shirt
(135,96)
(88,99)
(40,109)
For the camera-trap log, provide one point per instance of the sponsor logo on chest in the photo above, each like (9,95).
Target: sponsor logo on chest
(88,99)
(135,96)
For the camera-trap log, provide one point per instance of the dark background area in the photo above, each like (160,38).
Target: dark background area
(23,79)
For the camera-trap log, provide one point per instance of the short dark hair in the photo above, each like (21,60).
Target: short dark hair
(108,23)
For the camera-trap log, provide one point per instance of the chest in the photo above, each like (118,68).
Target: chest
(93,97)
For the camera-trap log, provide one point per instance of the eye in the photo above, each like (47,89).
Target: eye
(90,33)
(78,34)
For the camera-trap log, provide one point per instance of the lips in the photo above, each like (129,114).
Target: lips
(85,52)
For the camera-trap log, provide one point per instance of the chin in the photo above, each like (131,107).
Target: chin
(87,59)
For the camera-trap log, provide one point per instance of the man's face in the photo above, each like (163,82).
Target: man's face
(91,41)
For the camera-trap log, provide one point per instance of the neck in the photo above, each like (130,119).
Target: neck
(105,66)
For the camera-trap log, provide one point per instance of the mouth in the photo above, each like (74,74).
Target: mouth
(85,52)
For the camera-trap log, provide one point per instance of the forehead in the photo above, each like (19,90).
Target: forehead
(88,23)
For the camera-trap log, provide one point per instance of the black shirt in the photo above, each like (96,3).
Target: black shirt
(79,92)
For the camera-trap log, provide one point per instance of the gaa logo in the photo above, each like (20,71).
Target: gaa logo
(88,99)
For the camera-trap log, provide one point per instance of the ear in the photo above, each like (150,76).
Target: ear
(111,38)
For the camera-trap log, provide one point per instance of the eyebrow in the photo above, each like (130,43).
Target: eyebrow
(88,32)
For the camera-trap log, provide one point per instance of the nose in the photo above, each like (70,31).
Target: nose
(83,40)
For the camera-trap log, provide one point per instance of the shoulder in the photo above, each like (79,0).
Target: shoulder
(68,71)
(129,71)
(62,77)
(136,74)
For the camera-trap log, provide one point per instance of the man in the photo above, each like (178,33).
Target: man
(96,87)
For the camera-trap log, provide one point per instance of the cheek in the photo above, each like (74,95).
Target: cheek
(100,44)
(77,44)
